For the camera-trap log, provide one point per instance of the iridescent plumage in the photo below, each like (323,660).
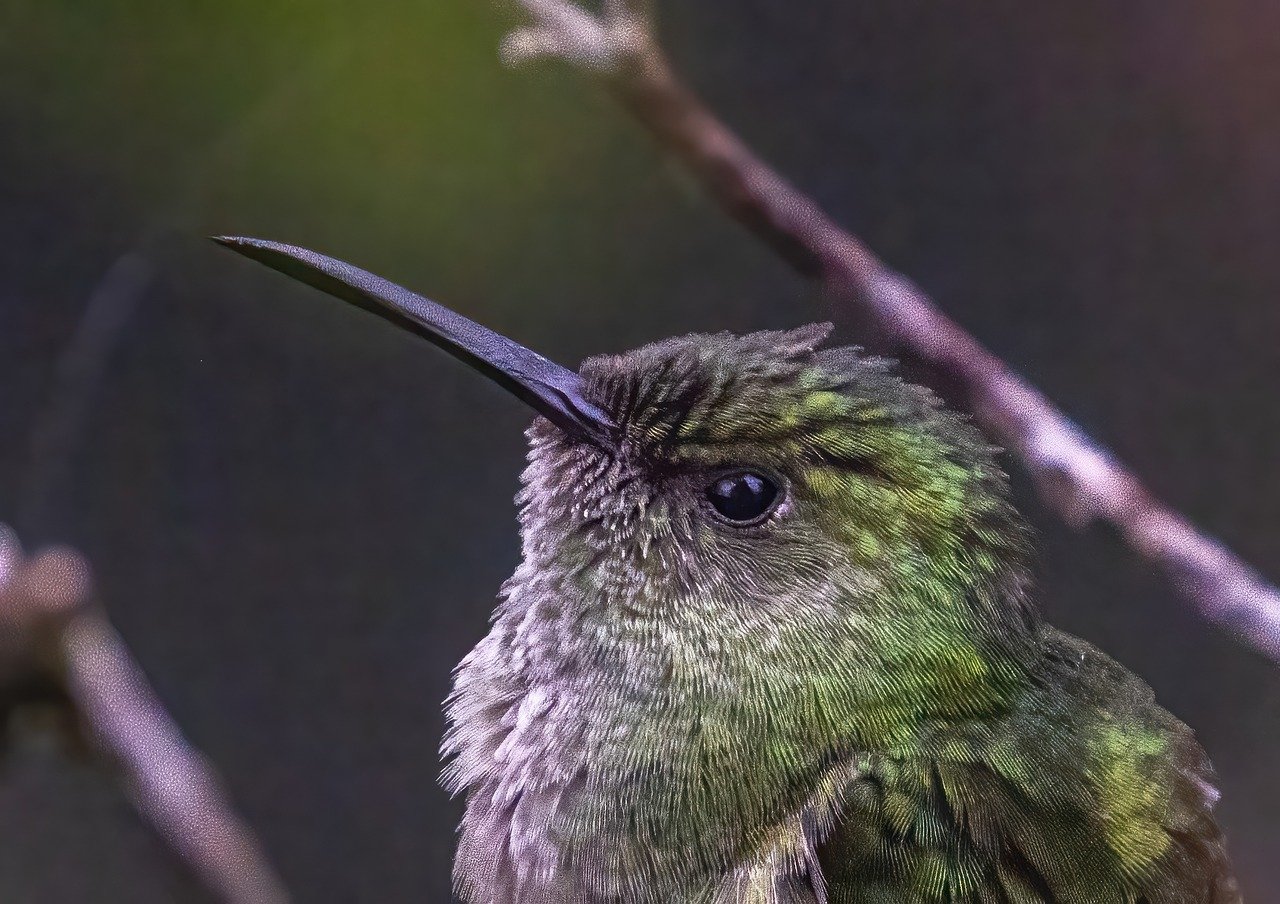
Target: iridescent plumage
(854,702)
(850,699)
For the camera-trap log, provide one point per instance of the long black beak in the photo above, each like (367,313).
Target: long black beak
(553,391)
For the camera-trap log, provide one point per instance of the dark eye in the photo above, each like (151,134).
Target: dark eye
(743,497)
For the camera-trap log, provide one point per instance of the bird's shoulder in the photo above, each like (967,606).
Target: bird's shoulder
(1085,791)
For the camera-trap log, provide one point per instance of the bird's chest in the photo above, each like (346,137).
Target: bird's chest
(583,787)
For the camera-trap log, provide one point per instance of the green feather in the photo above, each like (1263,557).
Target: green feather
(854,701)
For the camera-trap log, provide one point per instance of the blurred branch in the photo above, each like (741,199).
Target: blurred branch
(1077,479)
(55,438)
(56,434)
(55,631)
(56,644)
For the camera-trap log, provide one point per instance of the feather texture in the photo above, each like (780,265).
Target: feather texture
(852,701)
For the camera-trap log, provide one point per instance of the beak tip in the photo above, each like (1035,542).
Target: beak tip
(548,388)
(239,243)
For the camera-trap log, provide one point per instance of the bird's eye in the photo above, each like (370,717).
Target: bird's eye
(743,497)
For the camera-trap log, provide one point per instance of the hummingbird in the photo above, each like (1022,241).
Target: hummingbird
(774,640)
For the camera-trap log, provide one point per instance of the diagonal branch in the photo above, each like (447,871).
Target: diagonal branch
(56,634)
(1077,479)
(57,644)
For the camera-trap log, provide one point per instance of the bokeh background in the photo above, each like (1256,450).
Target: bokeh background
(299,517)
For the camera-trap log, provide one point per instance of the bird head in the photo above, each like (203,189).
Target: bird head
(754,517)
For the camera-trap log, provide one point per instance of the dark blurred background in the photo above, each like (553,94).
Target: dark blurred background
(299,517)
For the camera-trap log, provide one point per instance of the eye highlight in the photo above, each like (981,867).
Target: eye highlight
(743,497)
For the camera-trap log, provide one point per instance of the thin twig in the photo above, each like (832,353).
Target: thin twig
(46,601)
(114,300)
(1078,479)
(55,436)
(74,645)
(172,785)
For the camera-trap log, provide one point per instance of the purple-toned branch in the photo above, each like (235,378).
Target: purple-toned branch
(55,437)
(55,628)
(1077,478)
(49,624)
